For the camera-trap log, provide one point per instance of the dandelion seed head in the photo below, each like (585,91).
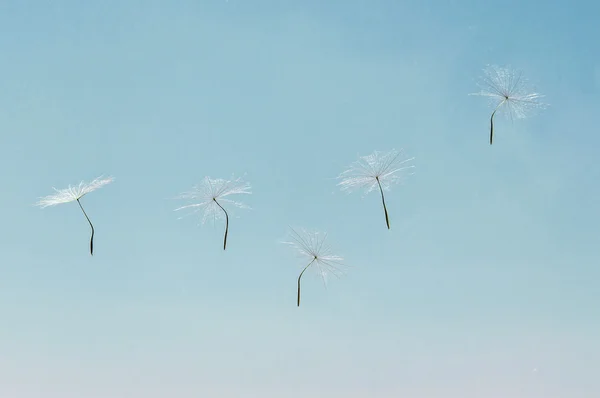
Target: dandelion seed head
(385,168)
(211,192)
(313,246)
(73,193)
(508,91)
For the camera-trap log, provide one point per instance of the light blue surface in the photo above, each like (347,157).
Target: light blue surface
(490,269)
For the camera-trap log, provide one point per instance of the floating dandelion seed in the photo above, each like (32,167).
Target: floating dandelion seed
(72,194)
(312,245)
(508,90)
(212,193)
(376,171)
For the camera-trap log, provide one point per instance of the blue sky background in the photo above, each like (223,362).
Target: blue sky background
(490,269)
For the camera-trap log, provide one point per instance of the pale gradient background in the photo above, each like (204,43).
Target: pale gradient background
(490,270)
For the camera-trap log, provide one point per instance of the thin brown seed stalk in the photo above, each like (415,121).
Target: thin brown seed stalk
(387,219)
(226,224)
(492,120)
(313,260)
(91,225)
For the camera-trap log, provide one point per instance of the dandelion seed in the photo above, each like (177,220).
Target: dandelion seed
(312,246)
(72,194)
(376,171)
(211,194)
(508,90)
